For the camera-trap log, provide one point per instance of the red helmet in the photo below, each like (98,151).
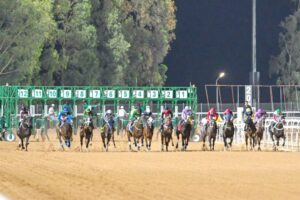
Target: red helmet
(227,111)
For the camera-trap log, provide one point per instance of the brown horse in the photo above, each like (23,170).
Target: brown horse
(86,132)
(107,134)
(24,132)
(228,132)
(166,135)
(64,134)
(184,129)
(260,128)
(136,134)
(148,131)
(276,130)
(250,134)
(211,133)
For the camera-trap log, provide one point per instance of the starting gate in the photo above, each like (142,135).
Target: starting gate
(38,98)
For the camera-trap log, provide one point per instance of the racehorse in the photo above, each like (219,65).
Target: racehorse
(107,134)
(166,134)
(86,132)
(24,131)
(250,133)
(228,132)
(137,133)
(277,129)
(148,131)
(185,131)
(260,128)
(65,133)
(211,133)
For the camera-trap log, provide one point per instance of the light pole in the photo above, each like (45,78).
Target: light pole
(221,75)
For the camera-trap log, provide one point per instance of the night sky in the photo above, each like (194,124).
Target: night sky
(215,35)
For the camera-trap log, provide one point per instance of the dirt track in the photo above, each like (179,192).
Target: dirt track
(47,173)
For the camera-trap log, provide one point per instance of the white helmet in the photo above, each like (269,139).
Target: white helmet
(108,111)
(122,107)
(186,107)
(52,105)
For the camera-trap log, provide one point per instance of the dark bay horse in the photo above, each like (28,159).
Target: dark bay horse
(86,132)
(107,134)
(24,131)
(65,133)
(136,134)
(228,132)
(166,134)
(260,128)
(211,134)
(276,129)
(148,131)
(185,131)
(250,134)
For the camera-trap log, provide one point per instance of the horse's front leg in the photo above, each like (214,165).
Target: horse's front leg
(61,143)
(172,138)
(162,142)
(113,139)
(81,141)
(213,145)
(27,143)
(103,140)
(230,144)
(107,141)
(246,141)
(283,140)
(258,143)
(225,143)
(203,145)
(129,141)
(177,136)
(87,142)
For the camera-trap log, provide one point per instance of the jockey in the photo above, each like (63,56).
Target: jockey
(147,115)
(166,113)
(134,114)
(228,115)
(23,113)
(109,119)
(122,113)
(212,114)
(51,112)
(64,117)
(88,113)
(247,114)
(67,108)
(185,113)
(247,111)
(278,115)
(260,113)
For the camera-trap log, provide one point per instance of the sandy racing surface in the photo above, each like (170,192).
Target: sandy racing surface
(45,172)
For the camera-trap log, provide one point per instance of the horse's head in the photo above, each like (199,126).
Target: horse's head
(27,121)
(150,121)
(167,122)
(212,123)
(138,122)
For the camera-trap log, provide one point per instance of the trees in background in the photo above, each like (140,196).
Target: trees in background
(286,65)
(85,42)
